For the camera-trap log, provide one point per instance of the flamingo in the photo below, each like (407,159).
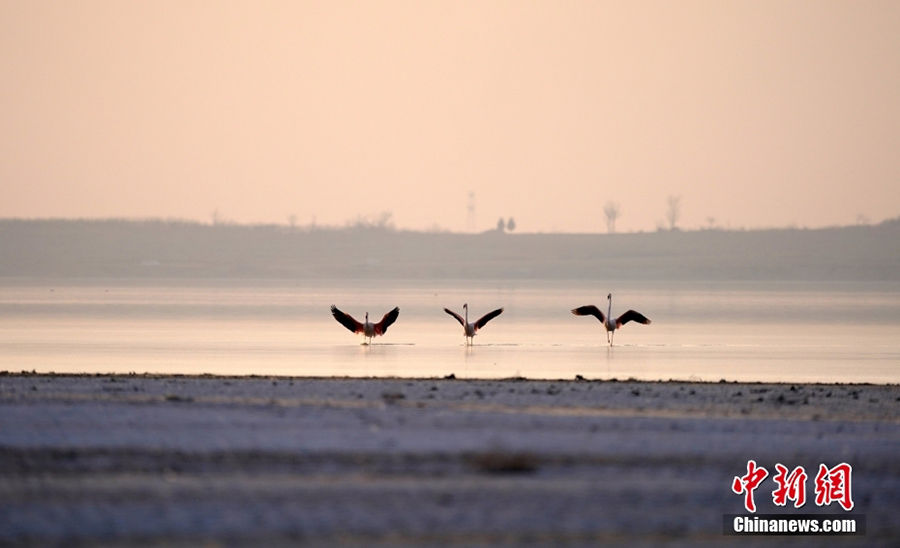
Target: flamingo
(470,329)
(610,323)
(367,328)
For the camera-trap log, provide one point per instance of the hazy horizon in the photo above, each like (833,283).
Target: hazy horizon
(756,114)
(373,222)
(155,250)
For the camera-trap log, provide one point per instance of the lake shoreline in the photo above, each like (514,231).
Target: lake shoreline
(451,377)
(631,397)
(156,460)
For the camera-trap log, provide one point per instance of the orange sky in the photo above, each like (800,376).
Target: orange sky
(758,114)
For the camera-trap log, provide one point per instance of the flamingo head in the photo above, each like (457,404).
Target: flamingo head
(609,297)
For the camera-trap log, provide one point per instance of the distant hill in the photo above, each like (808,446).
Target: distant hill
(159,249)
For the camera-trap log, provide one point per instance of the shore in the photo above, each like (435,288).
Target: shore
(143,460)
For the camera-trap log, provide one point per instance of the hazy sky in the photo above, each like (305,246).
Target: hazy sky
(757,113)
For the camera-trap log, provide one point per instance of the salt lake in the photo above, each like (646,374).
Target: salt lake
(767,332)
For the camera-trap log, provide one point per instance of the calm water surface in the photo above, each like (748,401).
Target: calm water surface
(707,332)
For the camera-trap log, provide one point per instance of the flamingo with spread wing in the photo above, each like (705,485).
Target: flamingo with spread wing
(610,323)
(367,328)
(470,329)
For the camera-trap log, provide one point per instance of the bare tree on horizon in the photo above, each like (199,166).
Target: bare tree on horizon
(382,221)
(674,211)
(612,213)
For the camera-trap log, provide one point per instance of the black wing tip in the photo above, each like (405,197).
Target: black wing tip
(455,316)
(634,316)
(345,319)
(590,310)
(487,317)
(494,313)
(387,321)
